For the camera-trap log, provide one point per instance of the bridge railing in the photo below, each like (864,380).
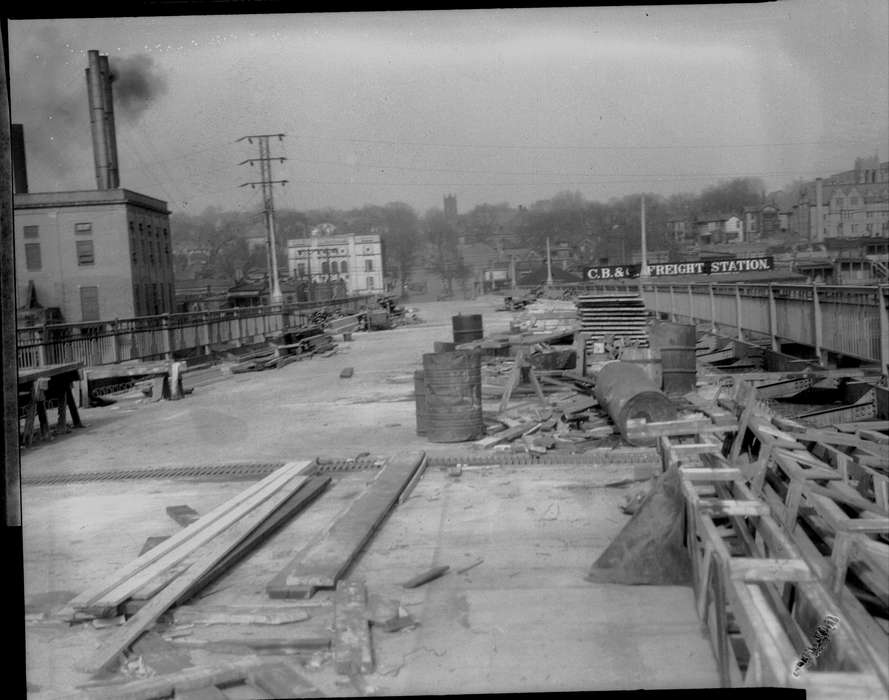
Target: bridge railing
(167,335)
(846,320)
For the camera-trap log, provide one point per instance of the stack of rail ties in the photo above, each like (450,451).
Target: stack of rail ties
(615,316)
(788,528)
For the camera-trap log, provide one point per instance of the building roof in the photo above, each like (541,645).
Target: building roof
(83,198)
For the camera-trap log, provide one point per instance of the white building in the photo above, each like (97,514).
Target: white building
(357,260)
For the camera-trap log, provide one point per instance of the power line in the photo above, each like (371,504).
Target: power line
(578,147)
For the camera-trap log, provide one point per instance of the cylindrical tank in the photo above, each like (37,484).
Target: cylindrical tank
(442,346)
(453,383)
(676,344)
(648,359)
(626,393)
(467,328)
(420,401)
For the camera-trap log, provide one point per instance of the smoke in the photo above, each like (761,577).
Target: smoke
(136,82)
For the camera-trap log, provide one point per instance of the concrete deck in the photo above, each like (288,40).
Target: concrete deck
(523,620)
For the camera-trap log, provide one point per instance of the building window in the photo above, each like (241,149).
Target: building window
(368,265)
(300,269)
(31,231)
(325,268)
(334,268)
(344,267)
(86,228)
(89,303)
(32,256)
(85,253)
(370,282)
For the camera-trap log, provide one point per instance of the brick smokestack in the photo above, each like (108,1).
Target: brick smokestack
(19,164)
(110,133)
(98,82)
(819,216)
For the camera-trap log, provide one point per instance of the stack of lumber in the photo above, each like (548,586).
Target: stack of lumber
(182,565)
(760,597)
(619,315)
(827,490)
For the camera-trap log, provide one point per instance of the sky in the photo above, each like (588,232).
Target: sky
(490,105)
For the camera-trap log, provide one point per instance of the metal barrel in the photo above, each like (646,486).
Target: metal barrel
(420,401)
(453,382)
(648,359)
(626,393)
(442,346)
(467,328)
(676,344)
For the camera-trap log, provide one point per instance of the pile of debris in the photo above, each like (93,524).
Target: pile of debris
(289,347)
(145,603)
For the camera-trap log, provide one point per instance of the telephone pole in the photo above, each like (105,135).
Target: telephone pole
(266,182)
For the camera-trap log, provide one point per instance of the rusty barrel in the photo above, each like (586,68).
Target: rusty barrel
(676,343)
(467,328)
(453,383)
(627,393)
(420,401)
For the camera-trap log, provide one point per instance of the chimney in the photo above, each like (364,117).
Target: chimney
(819,216)
(19,164)
(98,83)
(110,134)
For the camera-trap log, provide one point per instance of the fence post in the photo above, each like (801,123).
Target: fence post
(691,306)
(115,350)
(712,309)
(41,348)
(817,324)
(205,334)
(655,302)
(773,319)
(738,311)
(672,305)
(883,306)
(167,337)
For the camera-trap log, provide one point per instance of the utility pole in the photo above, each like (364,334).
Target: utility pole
(549,267)
(266,182)
(644,271)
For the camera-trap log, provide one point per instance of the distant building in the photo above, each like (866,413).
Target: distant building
(95,254)
(718,228)
(849,204)
(450,206)
(357,260)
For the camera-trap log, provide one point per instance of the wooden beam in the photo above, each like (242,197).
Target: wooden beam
(327,560)
(109,583)
(352,651)
(109,653)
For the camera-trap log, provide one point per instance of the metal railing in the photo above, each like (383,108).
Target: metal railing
(845,320)
(169,335)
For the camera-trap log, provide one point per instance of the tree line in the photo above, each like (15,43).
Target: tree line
(594,231)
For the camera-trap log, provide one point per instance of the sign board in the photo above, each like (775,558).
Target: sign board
(700,267)
(495,275)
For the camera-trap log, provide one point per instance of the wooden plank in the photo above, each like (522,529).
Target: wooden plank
(280,680)
(709,474)
(159,655)
(656,429)
(179,538)
(409,489)
(300,500)
(183,515)
(720,508)
(430,575)
(352,652)
(211,692)
(108,602)
(322,564)
(111,649)
(758,569)
(188,679)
